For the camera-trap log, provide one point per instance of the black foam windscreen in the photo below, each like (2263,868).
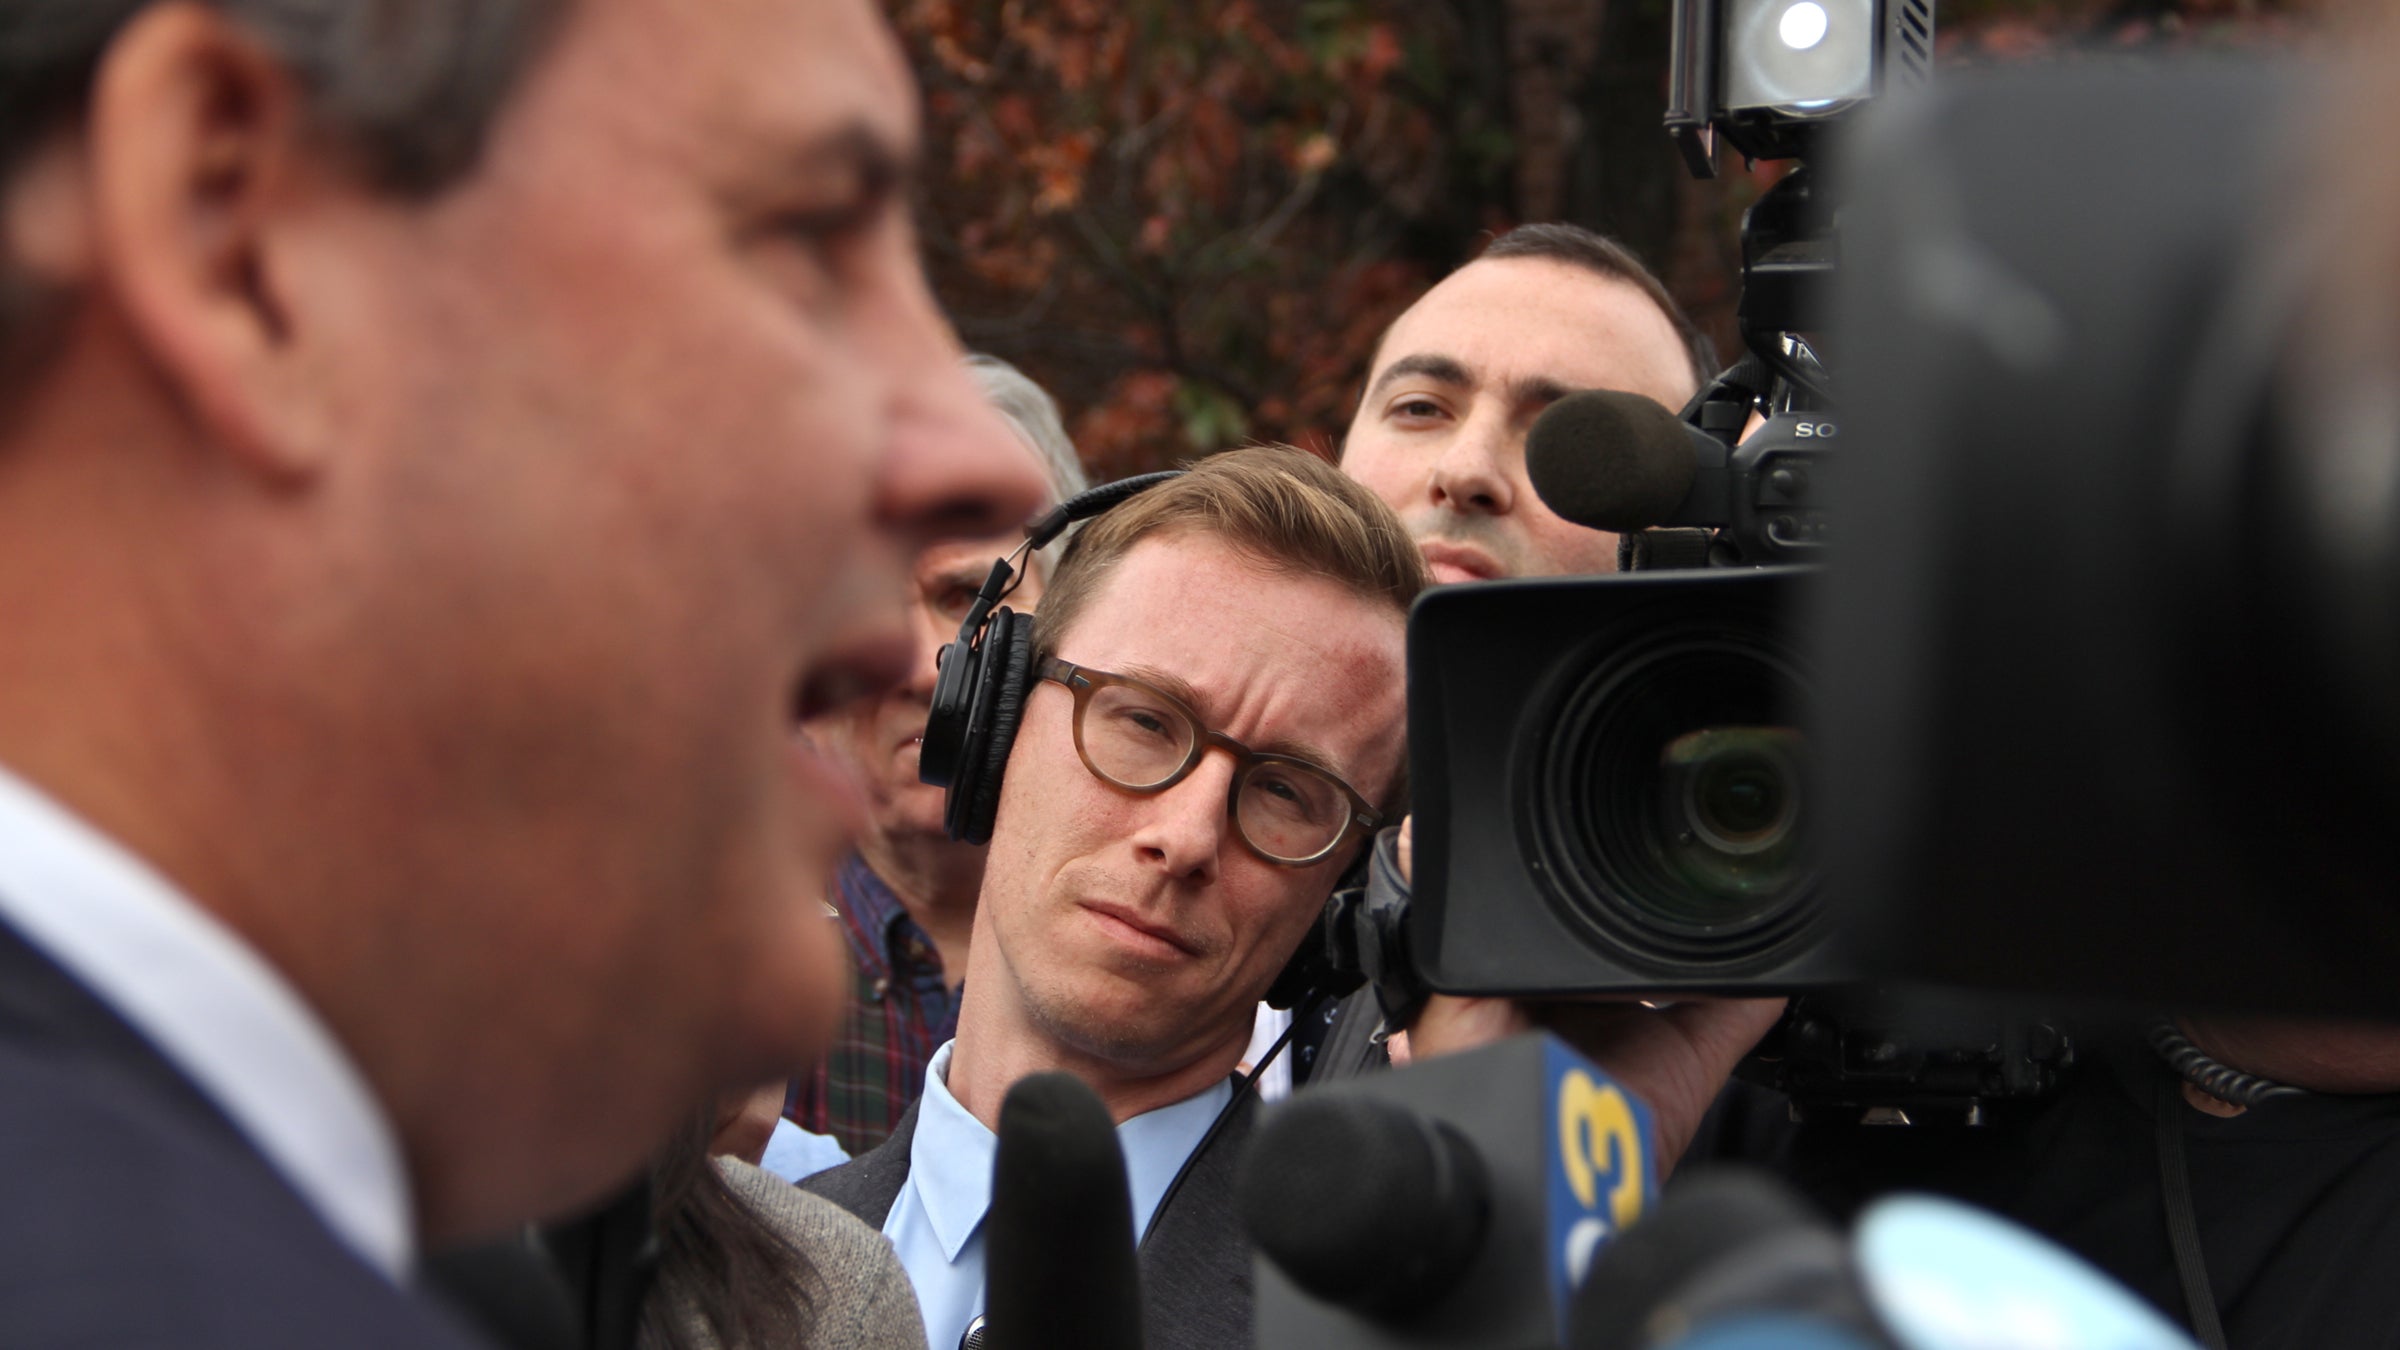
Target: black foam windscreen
(1372,1164)
(1611,460)
(1365,1203)
(1059,1238)
(1707,1220)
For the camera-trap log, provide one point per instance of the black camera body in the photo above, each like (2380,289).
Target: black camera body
(1611,787)
(1767,500)
(1611,777)
(1614,782)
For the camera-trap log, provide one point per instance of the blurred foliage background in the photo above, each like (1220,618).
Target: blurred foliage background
(1190,219)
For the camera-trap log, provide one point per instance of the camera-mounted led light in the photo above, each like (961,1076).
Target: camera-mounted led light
(1802,26)
(1798,55)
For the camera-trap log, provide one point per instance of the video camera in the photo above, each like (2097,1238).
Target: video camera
(1614,787)
(2104,666)
(2108,690)
(1613,781)
(2103,673)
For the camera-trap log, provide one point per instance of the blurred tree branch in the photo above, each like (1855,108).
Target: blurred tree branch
(1191,222)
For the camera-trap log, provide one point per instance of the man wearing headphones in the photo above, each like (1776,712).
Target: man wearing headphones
(907,893)
(1209,734)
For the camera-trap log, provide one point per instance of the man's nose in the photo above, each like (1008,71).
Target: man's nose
(1472,473)
(933,630)
(952,468)
(955,468)
(1184,829)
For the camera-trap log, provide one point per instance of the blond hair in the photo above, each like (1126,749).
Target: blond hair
(1279,507)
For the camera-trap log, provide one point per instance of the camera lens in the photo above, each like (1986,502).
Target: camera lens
(1739,806)
(1670,810)
(1732,803)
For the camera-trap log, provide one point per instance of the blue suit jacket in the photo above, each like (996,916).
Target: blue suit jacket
(134,1214)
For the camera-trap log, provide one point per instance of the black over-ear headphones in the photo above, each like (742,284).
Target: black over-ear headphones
(979,695)
(979,699)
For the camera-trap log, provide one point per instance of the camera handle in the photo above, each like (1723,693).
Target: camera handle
(1366,934)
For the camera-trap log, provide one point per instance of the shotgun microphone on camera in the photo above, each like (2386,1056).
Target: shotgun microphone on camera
(1610,460)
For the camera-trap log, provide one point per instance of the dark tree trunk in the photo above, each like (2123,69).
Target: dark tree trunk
(1622,175)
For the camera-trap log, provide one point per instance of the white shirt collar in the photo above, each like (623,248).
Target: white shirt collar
(213,1007)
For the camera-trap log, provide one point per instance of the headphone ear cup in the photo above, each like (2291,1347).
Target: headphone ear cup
(1004,677)
(946,716)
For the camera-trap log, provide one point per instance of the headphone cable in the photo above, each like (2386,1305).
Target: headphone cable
(1247,1087)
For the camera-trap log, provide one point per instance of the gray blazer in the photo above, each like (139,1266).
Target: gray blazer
(859,1297)
(1195,1261)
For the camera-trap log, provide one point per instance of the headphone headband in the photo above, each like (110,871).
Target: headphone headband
(1047,526)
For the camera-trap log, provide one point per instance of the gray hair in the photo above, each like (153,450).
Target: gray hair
(410,85)
(407,87)
(1033,415)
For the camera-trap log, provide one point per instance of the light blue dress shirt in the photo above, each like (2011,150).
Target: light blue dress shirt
(936,1222)
(794,1153)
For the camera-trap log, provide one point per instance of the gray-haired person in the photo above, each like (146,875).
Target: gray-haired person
(907,894)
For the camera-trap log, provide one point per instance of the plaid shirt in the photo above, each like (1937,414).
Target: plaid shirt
(899,1013)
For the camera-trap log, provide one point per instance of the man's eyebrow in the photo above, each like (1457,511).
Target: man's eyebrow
(1431,365)
(882,165)
(1536,392)
(969,571)
(1190,698)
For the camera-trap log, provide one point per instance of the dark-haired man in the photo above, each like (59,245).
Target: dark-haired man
(433,486)
(1453,388)
(1459,377)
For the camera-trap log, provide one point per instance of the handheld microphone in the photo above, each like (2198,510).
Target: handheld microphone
(1731,1251)
(1059,1263)
(1734,1261)
(1456,1202)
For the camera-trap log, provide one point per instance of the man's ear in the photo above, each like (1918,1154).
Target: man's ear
(200,148)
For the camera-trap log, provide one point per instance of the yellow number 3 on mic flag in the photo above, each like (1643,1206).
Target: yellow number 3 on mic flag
(1604,1177)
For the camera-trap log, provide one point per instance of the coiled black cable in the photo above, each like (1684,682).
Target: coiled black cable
(2221,1081)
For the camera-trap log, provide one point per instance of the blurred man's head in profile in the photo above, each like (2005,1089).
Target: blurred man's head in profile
(880,738)
(1460,376)
(449,447)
